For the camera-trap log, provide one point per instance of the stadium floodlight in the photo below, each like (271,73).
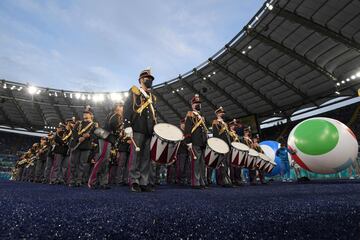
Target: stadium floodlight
(243,52)
(126,94)
(353,77)
(204,78)
(88,97)
(214,73)
(342,81)
(337,92)
(13,87)
(115,96)
(4,86)
(32,90)
(77,95)
(358,74)
(98,97)
(70,95)
(269,6)
(338,84)
(20,88)
(249,47)
(38,91)
(83,97)
(348,79)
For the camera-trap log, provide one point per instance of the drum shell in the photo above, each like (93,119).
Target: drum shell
(101,133)
(238,157)
(212,157)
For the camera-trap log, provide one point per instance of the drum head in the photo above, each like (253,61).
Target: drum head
(253,153)
(218,145)
(168,132)
(240,146)
(264,157)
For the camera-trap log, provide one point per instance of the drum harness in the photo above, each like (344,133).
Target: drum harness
(199,121)
(148,102)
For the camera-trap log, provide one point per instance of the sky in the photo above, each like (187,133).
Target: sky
(93,45)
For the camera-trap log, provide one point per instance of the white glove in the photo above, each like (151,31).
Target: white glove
(129,132)
(189,145)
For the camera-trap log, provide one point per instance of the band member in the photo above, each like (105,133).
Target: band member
(257,147)
(41,160)
(122,160)
(235,172)
(221,130)
(30,165)
(99,175)
(70,123)
(49,156)
(82,137)
(195,138)
(248,141)
(183,161)
(60,149)
(139,121)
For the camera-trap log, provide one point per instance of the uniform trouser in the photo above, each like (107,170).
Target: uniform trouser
(48,166)
(223,170)
(155,172)
(235,174)
(19,173)
(79,164)
(25,174)
(99,173)
(182,166)
(252,175)
(39,169)
(171,174)
(139,162)
(122,168)
(198,168)
(56,174)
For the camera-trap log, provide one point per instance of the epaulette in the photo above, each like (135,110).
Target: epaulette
(215,122)
(135,90)
(190,114)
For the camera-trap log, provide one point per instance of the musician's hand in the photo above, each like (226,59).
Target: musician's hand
(81,139)
(129,141)
(86,135)
(189,145)
(129,132)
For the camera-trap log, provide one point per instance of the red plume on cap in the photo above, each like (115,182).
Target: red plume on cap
(196,99)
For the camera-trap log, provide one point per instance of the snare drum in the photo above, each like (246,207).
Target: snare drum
(239,154)
(215,147)
(271,166)
(165,143)
(252,159)
(264,162)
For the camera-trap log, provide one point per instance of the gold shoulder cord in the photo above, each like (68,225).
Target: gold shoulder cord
(67,136)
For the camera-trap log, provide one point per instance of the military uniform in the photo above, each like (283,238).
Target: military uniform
(140,118)
(49,158)
(221,130)
(252,172)
(182,162)
(235,172)
(99,174)
(60,150)
(79,155)
(196,137)
(40,161)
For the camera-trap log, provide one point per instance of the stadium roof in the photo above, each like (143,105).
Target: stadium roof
(291,55)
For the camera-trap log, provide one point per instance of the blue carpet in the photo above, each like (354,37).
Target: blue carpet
(316,210)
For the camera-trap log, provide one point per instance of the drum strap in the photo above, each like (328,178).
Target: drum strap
(224,128)
(199,122)
(147,103)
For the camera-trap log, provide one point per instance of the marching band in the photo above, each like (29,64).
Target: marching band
(131,148)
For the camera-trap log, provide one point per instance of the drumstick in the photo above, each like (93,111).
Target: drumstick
(137,149)
(192,153)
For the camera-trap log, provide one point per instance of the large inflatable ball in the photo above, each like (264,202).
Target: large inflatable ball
(270,148)
(323,145)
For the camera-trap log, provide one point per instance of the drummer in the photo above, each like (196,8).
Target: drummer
(221,130)
(235,172)
(257,148)
(248,141)
(195,138)
(139,122)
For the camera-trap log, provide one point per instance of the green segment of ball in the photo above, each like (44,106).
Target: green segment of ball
(316,137)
